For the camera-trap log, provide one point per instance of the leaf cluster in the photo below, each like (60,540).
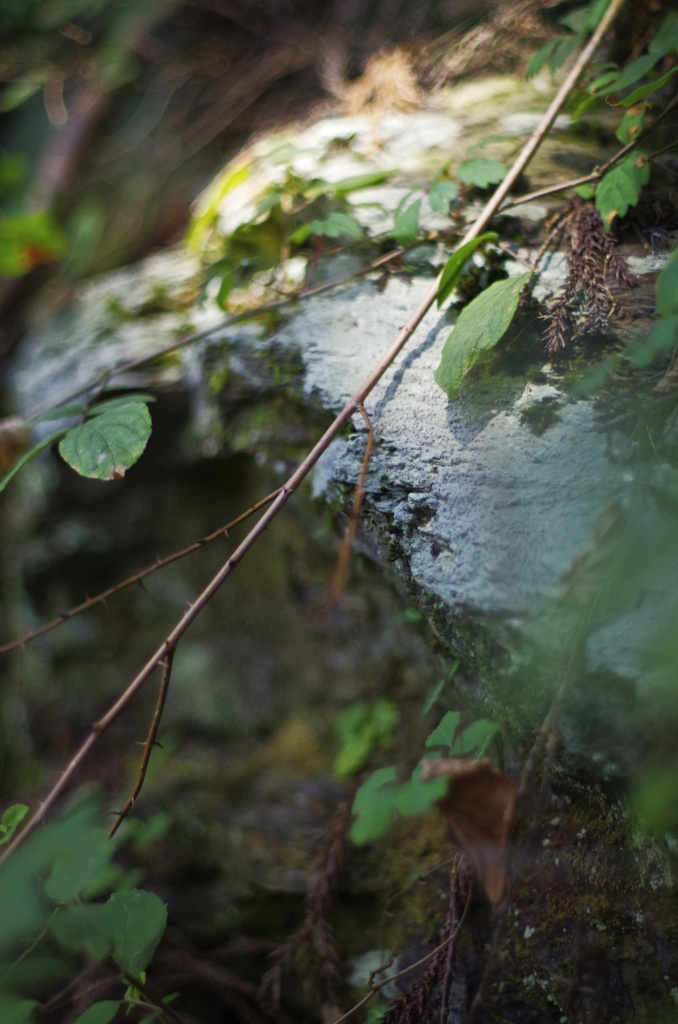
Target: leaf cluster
(65,901)
(385,797)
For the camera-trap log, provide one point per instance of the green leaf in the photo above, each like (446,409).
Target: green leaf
(406,223)
(27,456)
(603,82)
(665,38)
(621,186)
(481,172)
(99,1013)
(79,855)
(585,191)
(539,59)
(11,819)
(441,195)
(140,919)
(14,1010)
(631,124)
(475,738)
(27,240)
(334,226)
(357,182)
(362,728)
(443,735)
(115,404)
(85,927)
(636,70)
(480,326)
(372,807)
(110,442)
(382,798)
(645,90)
(455,265)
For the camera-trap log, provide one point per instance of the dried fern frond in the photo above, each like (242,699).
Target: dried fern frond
(594,264)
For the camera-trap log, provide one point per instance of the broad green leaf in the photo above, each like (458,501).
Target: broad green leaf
(11,819)
(372,806)
(603,82)
(99,1013)
(665,38)
(406,223)
(455,265)
(27,456)
(636,70)
(85,928)
(475,738)
(645,90)
(115,404)
(539,59)
(481,172)
(14,1010)
(441,195)
(418,796)
(585,191)
(333,226)
(105,446)
(631,124)
(621,187)
(79,855)
(140,919)
(480,326)
(443,735)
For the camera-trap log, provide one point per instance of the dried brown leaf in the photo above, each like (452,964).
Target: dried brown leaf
(479,808)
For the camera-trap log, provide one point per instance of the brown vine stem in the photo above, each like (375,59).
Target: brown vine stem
(338,585)
(148,746)
(21,641)
(320,447)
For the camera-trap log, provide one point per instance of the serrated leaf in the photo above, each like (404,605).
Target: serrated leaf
(441,195)
(406,223)
(99,1013)
(105,446)
(645,90)
(140,919)
(480,326)
(444,733)
(621,186)
(481,172)
(455,265)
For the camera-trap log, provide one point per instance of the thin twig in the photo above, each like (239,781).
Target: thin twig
(320,447)
(340,578)
(104,379)
(148,746)
(377,985)
(136,578)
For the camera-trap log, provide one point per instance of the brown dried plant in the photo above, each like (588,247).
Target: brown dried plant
(594,267)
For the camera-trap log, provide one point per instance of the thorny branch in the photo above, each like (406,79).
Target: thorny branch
(223,531)
(148,746)
(320,447)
